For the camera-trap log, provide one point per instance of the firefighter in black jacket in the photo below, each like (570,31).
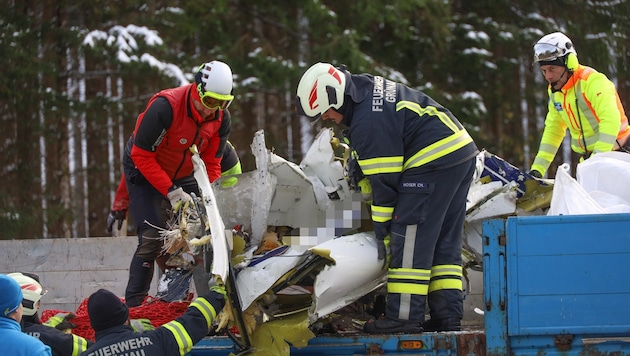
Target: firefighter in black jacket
(419,160)
(109,318)
(61,343)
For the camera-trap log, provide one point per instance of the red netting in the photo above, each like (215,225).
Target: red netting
(157,311)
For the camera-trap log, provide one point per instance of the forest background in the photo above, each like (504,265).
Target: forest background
(75,75)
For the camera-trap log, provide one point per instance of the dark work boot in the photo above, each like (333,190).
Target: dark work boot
(386,326)
(437,325)
(446,308)
(140,276)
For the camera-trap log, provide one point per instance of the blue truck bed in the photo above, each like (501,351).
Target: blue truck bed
(558,285)
(553,285)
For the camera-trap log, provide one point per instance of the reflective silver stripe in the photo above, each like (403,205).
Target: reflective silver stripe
(443,270)
(382,213)
(585,115)
(409,245)
(378,165)
(410,274)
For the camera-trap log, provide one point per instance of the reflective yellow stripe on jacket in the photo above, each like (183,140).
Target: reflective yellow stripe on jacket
(395,164)
(182,337)
(184,342)
(441,148)
(79,345)
(377,166)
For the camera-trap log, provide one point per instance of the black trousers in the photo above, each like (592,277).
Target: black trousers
(148,208)
(426,243)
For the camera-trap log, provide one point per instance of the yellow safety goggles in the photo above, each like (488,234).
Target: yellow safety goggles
(216,101)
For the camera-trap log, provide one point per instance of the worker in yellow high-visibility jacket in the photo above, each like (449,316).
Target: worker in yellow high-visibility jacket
(582,100)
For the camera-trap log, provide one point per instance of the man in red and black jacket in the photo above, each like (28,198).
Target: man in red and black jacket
(230,166)
(157,161)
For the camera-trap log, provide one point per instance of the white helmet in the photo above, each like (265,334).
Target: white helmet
(215,77)
(552,47)
(31,290)
(321,87)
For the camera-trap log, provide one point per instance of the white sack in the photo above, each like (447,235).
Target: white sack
(602,186)
(606,178)
(569,198)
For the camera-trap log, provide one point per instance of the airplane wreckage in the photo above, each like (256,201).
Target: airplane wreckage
(280,293)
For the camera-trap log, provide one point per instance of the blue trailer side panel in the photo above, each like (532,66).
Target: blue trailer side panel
(494,287)
(568,286)
(568,274)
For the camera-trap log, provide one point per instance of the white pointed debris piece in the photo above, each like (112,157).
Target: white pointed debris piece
(221,254)
(263,189)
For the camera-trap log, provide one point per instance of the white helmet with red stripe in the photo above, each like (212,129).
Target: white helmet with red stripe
(321,87)
(32,291)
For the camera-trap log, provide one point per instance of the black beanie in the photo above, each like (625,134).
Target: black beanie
(106,310)
(556,62)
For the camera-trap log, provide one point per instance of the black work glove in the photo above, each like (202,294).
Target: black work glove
(216,296)
(61,321)
(535,174)
(382,250)
(381,230)
(115,215)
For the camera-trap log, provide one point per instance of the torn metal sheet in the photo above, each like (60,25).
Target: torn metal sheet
(282,193)
(356,272)
(320,162)
(254,281)
(498,202)
(342,280)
